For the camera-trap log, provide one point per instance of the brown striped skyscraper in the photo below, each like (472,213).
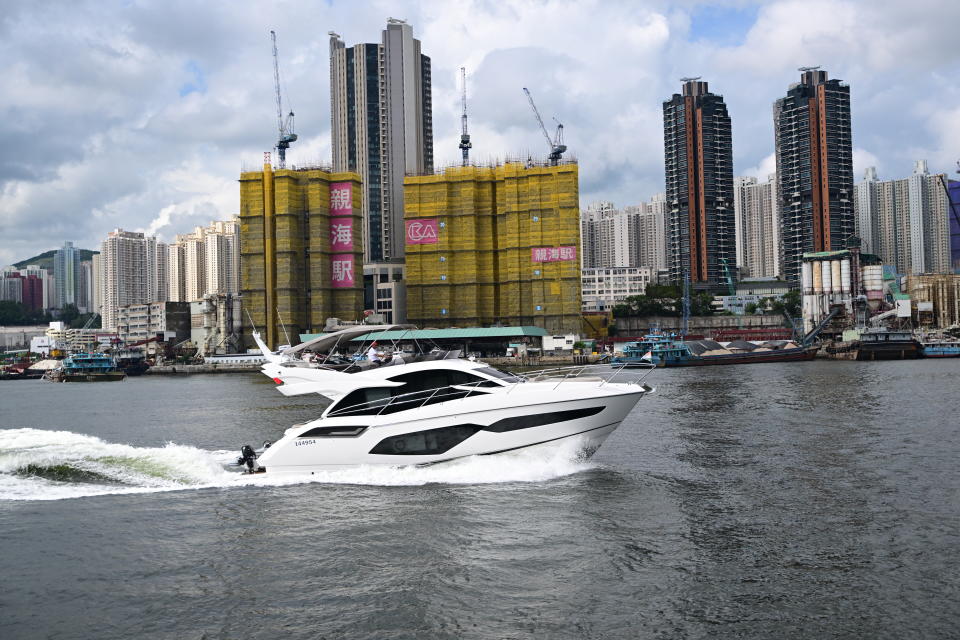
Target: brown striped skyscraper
(698,160)
(814,167)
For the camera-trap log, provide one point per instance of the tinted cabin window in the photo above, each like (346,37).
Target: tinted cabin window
(540,419)
(333,432)
(435,441)
(429,442)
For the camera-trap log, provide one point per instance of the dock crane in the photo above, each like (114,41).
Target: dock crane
(285,125)
(556,145)
(465,145)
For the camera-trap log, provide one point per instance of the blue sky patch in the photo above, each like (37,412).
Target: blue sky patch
(726,26)
(197,82)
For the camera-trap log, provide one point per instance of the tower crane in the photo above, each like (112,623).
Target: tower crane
(285,125)
(465,145)
(556,145)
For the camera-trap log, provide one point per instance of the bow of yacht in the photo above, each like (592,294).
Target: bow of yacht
(439,409)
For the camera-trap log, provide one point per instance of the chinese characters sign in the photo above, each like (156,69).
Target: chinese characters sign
(341,234)
(553,254)
(422,231)
(341,199)
(341,272)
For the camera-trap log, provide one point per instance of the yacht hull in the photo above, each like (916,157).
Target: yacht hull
(573,417)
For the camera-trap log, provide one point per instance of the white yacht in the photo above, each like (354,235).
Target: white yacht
(437,408)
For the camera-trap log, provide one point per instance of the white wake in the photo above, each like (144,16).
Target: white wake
(36,464)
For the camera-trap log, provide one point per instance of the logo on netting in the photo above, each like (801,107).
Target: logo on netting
(422,231)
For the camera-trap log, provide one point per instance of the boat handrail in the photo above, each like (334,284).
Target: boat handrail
(575,371)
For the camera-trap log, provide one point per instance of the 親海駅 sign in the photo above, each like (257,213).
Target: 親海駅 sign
(553,254)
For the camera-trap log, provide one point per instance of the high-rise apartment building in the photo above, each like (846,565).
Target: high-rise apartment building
(206,261)
(494,245)
(698,160)
(66,273)
(758,226)
(646,224)
(630,237)
(604,236)
(221,251)
(24,286)
(85,288)
(814,168)
(128,273)
(301,250)
(906,222)
(381,127)
(176,273)
(954,191)
(96,297)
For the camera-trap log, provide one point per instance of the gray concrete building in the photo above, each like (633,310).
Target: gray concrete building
(382,127)
(630,237)
(758,226)
(66,274)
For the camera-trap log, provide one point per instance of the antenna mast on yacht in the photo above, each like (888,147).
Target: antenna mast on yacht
(280,318)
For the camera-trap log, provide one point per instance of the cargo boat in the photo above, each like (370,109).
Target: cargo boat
(88,367)
(940,349)
(876,344)
(665,350)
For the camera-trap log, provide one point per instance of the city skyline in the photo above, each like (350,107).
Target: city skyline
(143,123)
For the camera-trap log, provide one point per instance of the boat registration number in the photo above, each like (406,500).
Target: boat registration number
(302,443)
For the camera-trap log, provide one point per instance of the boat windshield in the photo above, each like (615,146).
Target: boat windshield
(508,378)
(420,388)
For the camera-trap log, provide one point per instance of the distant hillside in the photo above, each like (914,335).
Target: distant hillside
(45,259)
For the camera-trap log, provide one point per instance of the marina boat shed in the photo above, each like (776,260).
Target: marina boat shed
(486,341)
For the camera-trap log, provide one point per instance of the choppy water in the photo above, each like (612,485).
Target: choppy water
(793,501)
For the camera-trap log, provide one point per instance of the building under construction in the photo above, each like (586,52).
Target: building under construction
(301,250)
(494,245)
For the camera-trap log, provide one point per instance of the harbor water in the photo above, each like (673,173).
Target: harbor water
(802,500)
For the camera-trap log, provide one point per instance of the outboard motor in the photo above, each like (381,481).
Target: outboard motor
(248,458)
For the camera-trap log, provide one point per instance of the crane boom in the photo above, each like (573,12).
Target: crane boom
(543,128)
(285,127)
(556,146)
(276,82)
(465,145)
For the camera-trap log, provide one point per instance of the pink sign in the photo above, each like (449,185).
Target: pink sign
(341,234)
(341,271)
(341,199)
(553,254)
(422,231)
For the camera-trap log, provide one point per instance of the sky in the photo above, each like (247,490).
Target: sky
(140,114)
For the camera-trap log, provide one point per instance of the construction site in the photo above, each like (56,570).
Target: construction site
(494,245)
(301,250)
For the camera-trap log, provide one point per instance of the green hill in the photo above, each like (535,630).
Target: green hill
(45,259)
